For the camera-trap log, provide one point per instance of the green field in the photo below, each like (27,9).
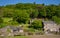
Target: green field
(7,19)
(19,37)
(16,37)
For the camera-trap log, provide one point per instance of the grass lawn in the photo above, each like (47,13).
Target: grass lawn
(7,19)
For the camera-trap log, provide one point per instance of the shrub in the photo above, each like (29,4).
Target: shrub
(13,22)
(36,24)
(1,20)
(21,18)
(56,19)
(2,25)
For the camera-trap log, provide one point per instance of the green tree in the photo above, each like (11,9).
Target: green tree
(34,14)
(21,17)
(57,12)
(1,23)
(8,12)
(36,24)
(1,20)
(42,11)
(56,19)
(50,10)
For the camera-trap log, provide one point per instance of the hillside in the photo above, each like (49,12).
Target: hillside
(28,18)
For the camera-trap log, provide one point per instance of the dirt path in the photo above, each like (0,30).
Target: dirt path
(45,36)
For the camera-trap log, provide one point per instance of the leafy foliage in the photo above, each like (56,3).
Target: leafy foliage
(2,25)
(23,12)
(36,24)
(21,17)
(56,19)
(1,20)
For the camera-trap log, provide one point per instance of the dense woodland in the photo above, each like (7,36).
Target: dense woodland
(23,12)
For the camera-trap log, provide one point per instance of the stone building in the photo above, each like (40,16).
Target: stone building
(50,26)
(16,30)
(3,31)
(11,31)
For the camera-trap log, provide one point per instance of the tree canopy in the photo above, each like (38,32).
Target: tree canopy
(21,12)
